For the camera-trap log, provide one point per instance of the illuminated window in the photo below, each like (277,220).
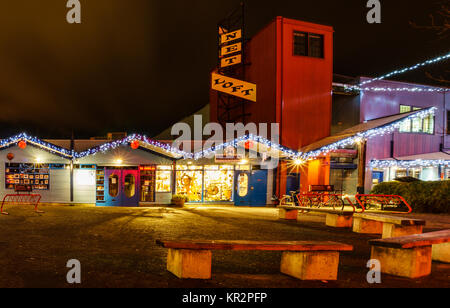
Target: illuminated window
(113,185)
(219,184)
(163,179)
(243,185)
(129,186)
(425,125)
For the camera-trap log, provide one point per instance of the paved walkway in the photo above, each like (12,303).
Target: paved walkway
(116,247)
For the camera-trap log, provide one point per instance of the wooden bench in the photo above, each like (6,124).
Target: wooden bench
(388,226)
(335,218)
(411,256)
(302,260)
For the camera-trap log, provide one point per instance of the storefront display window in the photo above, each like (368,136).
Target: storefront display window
(37,175)
(190,183)
(163,179)
(148,176)
(218,183)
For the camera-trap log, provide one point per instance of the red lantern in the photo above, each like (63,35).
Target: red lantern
(22,144)
(10,156)
(135,145)
(249,145)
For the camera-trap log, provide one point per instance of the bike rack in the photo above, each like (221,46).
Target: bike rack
(315,199)
(383,200)
(24,199)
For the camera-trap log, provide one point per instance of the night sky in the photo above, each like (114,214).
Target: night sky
(142,65)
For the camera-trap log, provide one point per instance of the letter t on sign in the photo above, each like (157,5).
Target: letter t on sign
(74,14)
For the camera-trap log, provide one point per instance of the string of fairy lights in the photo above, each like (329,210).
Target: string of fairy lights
(145,142)
(407,164)
(362,85)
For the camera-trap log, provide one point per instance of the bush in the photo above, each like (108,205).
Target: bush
(407,179)
(424,197)
(179,199)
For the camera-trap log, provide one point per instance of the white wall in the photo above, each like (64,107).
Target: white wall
(59,179)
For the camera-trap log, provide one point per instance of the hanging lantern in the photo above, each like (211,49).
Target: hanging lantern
(135,145)
(22,144)
(249,145)
(10,156)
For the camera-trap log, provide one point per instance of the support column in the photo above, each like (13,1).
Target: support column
(362,149)
(316,265)
(393,230)
(410,263)
(189,264)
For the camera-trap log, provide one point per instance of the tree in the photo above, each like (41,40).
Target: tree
(440,26)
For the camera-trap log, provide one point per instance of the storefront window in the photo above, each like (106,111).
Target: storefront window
(190,184)
(218,183)
(243,184)
(163,179)
(113,185)
(130,186)
(148,176)
(401,173)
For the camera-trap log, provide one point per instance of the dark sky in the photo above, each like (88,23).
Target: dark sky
(141,65)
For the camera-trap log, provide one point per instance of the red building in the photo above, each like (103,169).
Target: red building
(291,62)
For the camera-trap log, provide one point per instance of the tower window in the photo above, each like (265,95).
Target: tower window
(308,44)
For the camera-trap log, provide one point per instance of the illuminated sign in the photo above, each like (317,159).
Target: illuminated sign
(237,59)
(234,87)
(227,50)
(231,36)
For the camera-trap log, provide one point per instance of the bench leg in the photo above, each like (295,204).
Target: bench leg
(313,265)
(189,264)
(366,226)
(288,214)
(410,263)
(339,221)
(441,253)
(392,230)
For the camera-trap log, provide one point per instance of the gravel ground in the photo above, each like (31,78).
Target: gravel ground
(116,247)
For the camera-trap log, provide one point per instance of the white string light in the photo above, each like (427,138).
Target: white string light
(360,87)
(382,164)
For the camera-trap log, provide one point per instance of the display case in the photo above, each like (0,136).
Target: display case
(100,185)
(36,175)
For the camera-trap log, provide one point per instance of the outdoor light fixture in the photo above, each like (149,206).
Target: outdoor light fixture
(119,161)
(298,162)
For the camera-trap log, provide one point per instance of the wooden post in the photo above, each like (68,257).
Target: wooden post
(362,150)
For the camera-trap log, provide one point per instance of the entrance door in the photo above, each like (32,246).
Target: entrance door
(251,188)
(122,188)
(130,188)
(258,188)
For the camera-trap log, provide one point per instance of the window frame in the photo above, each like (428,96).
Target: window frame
(411,124)
(308,44)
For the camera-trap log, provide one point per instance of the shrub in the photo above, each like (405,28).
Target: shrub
(424,197)
(179,198)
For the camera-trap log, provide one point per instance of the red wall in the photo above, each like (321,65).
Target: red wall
(293,91)
(306,83)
